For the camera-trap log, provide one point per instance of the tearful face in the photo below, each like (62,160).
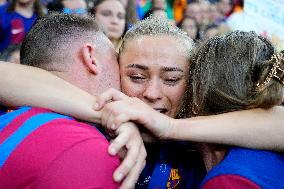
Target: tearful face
(154,69)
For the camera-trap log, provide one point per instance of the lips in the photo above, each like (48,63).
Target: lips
(113,29)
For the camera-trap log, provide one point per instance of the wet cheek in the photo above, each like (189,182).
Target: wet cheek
(131,89)
(176,96)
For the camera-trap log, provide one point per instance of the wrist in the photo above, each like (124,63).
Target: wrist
(170,133)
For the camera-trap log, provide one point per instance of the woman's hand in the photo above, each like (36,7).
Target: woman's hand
(117,108)
(129,145)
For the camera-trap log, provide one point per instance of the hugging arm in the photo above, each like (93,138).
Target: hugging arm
(24,85)
(255,128)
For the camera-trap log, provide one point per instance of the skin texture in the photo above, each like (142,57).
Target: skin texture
(152,74)
(111,14)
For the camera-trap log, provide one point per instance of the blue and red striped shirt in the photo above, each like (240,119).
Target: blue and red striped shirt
(42,149)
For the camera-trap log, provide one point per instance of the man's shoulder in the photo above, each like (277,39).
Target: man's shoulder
(26,125)
(45,141)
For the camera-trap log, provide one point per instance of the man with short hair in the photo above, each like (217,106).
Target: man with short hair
(42,149)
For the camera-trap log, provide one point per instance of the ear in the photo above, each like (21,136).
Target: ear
(89,60)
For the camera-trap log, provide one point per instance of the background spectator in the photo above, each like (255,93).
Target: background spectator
(190,27)
(16,19)
(112,17)
(74,7)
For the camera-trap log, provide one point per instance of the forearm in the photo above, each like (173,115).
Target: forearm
(261,129)
(22,85)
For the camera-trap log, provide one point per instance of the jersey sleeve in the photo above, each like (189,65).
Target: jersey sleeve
(229,181)
(84,165)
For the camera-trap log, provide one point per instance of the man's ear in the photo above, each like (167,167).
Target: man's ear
(89,60)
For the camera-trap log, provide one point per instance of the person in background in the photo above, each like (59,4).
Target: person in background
(16,20)
(111,15)
(214,16)
(225,7)
(193,10)
(74,7)
(189,25)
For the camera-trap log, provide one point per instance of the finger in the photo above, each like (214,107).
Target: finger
(133,175)
(124,117)
(128,163)
(107,96)
(118,143)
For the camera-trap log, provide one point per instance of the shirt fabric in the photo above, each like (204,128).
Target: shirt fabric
(172,166)
(247,169)
(45,150)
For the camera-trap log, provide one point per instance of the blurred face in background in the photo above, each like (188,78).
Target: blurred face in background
(74,6)
(194,10)
(149,72)
(111,15)
(225,6)
(159,4)
(214,14)
(190,27)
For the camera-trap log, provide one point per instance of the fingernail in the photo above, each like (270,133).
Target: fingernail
(112,151)
(96,106)
(118,177)
(113,127)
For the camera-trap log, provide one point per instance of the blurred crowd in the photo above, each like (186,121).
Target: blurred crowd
(200,19)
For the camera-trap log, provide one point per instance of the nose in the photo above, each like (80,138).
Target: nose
(153,91)
(114,20)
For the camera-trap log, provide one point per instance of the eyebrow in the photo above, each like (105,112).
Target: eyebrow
(137,66)
(165,69)
(172,69)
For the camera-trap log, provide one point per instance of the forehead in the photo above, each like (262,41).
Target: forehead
(163,51)
(113,5)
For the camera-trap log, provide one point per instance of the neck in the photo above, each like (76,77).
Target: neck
(25,9)
(81,79)
(212,154)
